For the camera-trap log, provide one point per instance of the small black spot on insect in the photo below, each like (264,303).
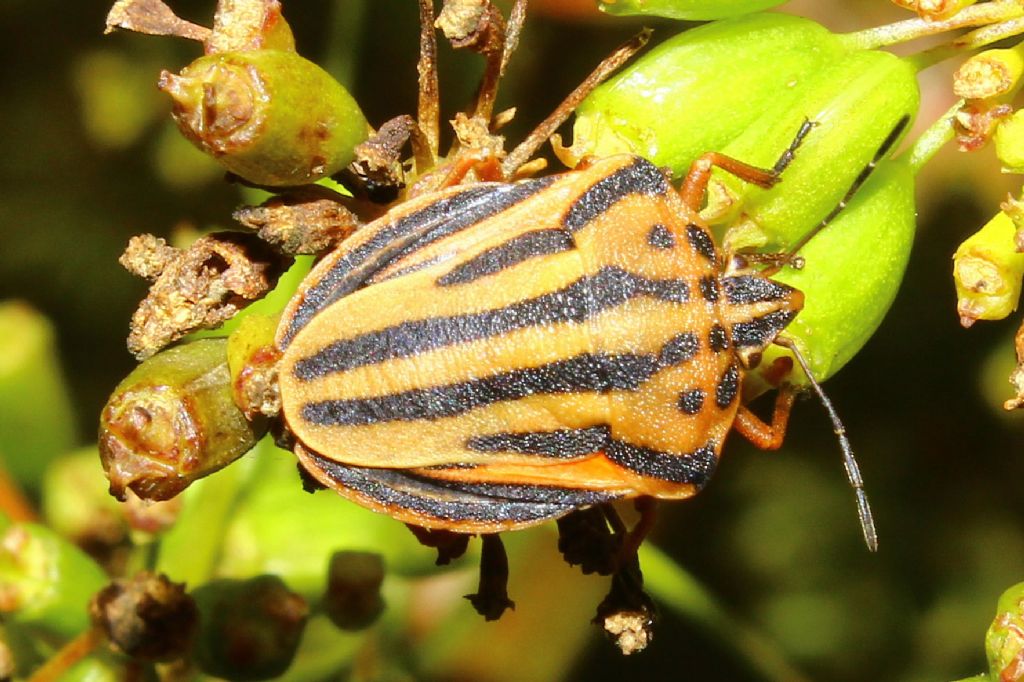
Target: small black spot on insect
(718,340)
(701,241)
(660,237)
(709,288)
(692,401)
(728,387)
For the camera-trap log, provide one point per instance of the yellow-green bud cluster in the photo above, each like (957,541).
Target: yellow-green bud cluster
(987,270)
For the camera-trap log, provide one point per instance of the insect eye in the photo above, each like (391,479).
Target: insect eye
(750,360)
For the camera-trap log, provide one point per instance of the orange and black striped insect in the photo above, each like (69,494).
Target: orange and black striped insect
(488,357)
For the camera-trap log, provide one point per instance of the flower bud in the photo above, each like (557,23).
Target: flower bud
(1009,138)
(687,9)
(47,581)
(172,421)
(249,629)
(853,269)
(987,270)
(1004,641)
(353,600)
(146,616)
(856,105)
(269,116)
(697,91)
(992,73)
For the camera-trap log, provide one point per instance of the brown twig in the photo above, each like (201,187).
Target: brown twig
(428,113)
(548,126)
(70,654)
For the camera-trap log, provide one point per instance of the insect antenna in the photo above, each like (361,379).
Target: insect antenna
(867,521)
(858,182)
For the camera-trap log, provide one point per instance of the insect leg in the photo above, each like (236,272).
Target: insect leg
(522,153)
(861,178)
(491,598)
(867,522)
(764,435)
(696,182)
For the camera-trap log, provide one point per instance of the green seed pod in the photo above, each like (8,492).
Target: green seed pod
(701,10)
(47,581)
(249,629)
(146,616)
(269,116)
(853,269)
(1004,641)
(857,105)
(987,270)
(697,91)
(353,600)
(172,421)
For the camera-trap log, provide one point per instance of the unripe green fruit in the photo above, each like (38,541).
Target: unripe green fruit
(172,421)
(47,581)
(269,116)
(1004,641)
(853,269)
(855,103)
(687,9)
(249,629)
(697,91)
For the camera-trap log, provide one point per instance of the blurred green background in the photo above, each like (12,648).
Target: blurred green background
(90,158)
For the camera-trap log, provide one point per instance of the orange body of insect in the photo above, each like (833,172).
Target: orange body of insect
(491,356)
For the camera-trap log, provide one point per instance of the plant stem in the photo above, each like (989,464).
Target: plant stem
(986,35)
(903,31)
(932,139)
(70,654)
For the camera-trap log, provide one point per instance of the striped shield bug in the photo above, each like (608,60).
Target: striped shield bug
(489,356)
(497,352)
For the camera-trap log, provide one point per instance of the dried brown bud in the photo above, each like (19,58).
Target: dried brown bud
(251,628)
(475,24)
(353,600)
(378,160)
(306,220)
(198,288)
(147,256)
(146,616)
(152,17)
